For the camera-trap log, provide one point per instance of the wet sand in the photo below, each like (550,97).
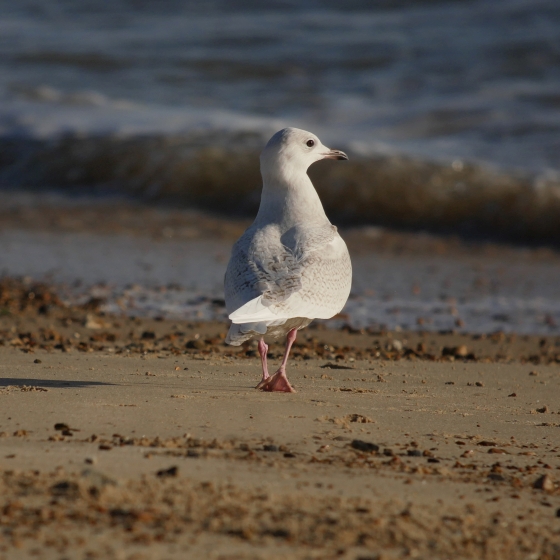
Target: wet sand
(169,262)
(140,438)
(54,213)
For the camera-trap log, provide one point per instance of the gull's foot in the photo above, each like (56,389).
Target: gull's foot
(263,382)
(278,382)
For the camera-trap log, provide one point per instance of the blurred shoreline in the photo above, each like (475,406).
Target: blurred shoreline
(130,139)
(155,261)
(38,316)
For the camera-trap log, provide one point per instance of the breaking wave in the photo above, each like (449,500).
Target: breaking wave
(217,170)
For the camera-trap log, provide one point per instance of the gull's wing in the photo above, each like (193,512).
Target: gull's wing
(305,273)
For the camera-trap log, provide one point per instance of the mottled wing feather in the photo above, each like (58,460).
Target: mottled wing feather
(279,275)
(293,274)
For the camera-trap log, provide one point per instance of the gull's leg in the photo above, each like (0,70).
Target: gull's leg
(263,349)
(279,381)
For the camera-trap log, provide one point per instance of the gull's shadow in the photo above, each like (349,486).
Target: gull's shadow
(18,381)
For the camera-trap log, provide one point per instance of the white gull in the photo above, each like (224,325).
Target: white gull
(291,266)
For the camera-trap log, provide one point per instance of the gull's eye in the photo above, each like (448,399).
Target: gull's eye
(310,143)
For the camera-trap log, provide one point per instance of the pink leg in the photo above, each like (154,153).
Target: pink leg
(279,381)
(263,349)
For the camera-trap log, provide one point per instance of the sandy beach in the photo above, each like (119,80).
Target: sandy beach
(141,438)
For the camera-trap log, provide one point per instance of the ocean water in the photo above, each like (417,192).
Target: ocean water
(460,79)
(449,109)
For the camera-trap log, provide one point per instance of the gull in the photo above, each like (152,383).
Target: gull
(290,266)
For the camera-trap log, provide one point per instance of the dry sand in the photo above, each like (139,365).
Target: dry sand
(132,438)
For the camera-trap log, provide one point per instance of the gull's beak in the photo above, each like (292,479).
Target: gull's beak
(335,154)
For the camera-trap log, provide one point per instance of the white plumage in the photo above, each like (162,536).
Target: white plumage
(291,266)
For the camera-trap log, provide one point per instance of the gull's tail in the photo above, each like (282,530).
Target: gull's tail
(238,334)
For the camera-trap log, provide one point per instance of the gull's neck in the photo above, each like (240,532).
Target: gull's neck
(289,199)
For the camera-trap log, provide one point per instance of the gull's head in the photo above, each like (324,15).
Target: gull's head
(294,150)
